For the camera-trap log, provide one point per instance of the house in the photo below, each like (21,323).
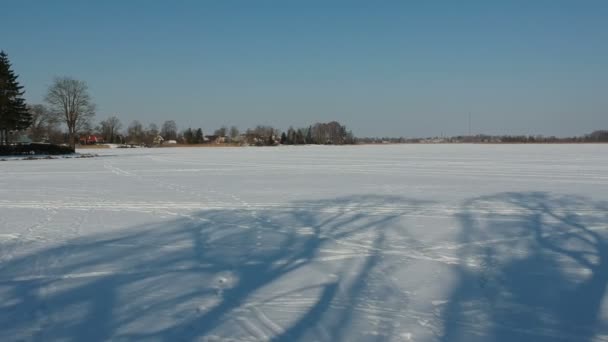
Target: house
(215,139)
(250,138)
(90,139)
(158,140)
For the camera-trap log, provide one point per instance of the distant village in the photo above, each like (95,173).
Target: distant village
(109,132)
(45,128)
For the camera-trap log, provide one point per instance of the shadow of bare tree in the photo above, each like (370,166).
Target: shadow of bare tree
(517,266)
(535,268)
(240,274)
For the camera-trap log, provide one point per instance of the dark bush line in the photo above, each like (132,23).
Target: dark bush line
(34,149)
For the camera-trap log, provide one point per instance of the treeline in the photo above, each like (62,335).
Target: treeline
(597,136)
(332,133)
(68,102)
(594,137)
(68,113)
(67,117)
(45,127)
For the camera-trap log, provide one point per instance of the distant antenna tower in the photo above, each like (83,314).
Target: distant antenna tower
(469,124)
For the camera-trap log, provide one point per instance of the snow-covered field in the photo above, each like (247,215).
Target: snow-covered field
(363,243)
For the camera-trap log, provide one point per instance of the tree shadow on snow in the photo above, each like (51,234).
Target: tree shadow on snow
(534,268)
(243,274)
(530,267)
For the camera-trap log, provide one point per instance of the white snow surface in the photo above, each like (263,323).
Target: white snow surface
(307,243)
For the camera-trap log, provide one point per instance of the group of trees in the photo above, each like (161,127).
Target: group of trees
(331,133)
(195,136)
(263,135)
(596,136)
(45,125)
(68,102)
(110,130)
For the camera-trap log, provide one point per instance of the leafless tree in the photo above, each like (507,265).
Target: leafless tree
(109,129)
(69,99)
(43,121)
(234,133)
(135,132)
(151,133)
(152,130)
(221,131)
(169,130)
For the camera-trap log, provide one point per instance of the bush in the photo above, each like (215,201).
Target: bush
(34,149)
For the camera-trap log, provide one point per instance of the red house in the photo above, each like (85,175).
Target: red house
(91,139)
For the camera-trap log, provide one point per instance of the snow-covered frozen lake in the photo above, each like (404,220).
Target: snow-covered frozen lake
(356,243)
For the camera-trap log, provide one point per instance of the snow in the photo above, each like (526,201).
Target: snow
(315,243)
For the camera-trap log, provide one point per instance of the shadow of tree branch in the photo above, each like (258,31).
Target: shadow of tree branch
(543,277)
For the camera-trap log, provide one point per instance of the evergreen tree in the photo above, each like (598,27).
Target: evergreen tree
(291,136)
(299,137)
(189,136)
(283,138)
(198,137)
(14,114)
(309,139)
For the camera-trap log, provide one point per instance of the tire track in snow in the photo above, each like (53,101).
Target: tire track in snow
(239,204)
(159,183)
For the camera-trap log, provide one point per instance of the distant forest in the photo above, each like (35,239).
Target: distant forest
(593,137)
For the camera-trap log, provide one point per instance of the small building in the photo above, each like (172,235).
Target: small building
(215,139)
(250,138)
(158,140)
(90,139)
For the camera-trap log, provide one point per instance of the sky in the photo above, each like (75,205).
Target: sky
(382,68)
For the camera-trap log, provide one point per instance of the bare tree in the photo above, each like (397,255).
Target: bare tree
(152,130)
(109,129)
(43,121)
(135,132)
(221,131)
(150,134)
(234,133)
(69,99)
(169,130)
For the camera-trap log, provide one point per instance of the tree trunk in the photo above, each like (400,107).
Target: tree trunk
(71,136)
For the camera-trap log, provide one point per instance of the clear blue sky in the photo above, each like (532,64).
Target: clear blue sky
(413,68)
